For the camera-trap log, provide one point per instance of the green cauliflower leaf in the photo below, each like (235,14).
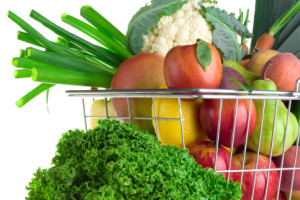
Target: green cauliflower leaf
(147,18)
(225,29)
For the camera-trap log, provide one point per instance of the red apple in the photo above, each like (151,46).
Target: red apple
(183,70)
(284,70)
(209,114)
(261,176)
(204,154)
(142,71)
(289,159)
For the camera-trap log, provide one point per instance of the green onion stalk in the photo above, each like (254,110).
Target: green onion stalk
(71,59)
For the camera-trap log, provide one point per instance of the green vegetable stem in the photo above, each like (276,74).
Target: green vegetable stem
(71,59)
(102,24)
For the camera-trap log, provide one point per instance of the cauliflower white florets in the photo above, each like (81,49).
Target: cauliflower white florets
(182,28)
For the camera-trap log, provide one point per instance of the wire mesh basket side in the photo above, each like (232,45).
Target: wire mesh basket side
(264,96)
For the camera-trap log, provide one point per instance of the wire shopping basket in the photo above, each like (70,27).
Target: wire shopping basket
(258,173)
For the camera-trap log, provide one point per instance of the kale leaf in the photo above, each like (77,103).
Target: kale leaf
(118,161)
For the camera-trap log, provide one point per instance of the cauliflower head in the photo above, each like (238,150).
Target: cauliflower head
(184,27)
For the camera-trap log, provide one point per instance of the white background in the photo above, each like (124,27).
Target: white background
(28,136)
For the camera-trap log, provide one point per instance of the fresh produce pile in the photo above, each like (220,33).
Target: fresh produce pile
(173,44)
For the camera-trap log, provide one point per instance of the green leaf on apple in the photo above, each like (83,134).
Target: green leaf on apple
(245,87)
(225,29)
(204,55)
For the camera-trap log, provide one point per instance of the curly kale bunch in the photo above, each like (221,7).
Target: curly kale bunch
(118,161)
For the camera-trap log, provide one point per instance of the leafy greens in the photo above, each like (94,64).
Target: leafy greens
(224,33)
(118,161)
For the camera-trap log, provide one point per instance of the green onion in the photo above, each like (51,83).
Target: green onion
(105,55)
(63,44)
(102,80)
(102,24)
(59,75)
(277,26)
(103,38)
(70,60)
(23,73)
(34,33)
(22,62)
(33,93)
(22,53)
(66,43)
(25,37)
(29,39)
(26,63)
(67,62)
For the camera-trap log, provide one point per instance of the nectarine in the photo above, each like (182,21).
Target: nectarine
(284,70)
(142,71)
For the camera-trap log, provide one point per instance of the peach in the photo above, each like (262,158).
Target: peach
(142,71)
(284,70)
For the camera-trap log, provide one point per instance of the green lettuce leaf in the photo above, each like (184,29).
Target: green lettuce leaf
(226,27)
(147,18)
